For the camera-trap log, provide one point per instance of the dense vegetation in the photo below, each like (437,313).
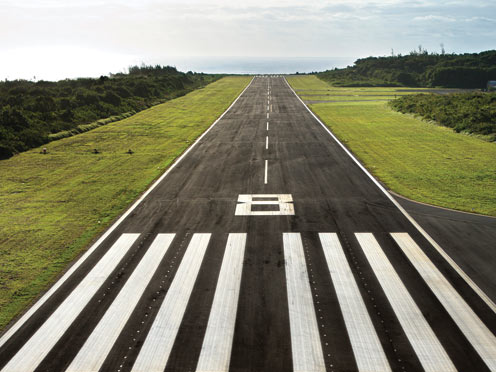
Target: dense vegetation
(420,69)
(32,111)
(473,112)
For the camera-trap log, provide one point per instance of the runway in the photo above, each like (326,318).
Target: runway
(265,248)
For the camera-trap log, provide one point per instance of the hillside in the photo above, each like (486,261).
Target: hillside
(31,111)
(418,69)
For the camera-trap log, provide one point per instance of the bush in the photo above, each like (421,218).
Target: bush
(471,112)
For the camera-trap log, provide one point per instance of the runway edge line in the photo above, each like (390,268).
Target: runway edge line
(19,323)
(438,248)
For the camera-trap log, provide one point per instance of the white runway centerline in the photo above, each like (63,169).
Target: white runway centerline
(305,338)
(267,115)
(40,344)
(266,142)
(365,343)
(266,171)
(429,350)
(481,338)
(158,344)
(217,345)
(96,348)
(267,125)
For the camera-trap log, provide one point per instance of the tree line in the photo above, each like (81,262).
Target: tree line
(418,69)
(32,111)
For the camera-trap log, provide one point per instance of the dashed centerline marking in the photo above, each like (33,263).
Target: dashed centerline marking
(267,125)
(266,171)
(266,142)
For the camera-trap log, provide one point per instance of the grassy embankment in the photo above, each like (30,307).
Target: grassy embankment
(54,205)
(420,160)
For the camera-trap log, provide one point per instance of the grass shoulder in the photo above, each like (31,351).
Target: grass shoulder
(54,205)
(414,158)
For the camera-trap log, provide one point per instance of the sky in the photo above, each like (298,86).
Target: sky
(56,39)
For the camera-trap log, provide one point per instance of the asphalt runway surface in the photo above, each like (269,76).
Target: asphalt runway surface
(265,248)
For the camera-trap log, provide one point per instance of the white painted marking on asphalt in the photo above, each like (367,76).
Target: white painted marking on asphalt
(267,125)
(476,332)
(440,250)
(266,142)
(217,344)
(305,339)
(267,115)
(43,340)
(10,332)
(245,202)
(267,107)
(158,344)
(366,346)
(96,348)
(429,350)
(266,171)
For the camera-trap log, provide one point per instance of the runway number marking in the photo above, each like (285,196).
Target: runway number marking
(279,205)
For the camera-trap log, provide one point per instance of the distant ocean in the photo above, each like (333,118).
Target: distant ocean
(251,65)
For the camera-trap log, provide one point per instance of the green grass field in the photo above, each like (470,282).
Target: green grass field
(54,205)
(420,160)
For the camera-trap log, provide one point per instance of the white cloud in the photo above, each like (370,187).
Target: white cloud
(435,18)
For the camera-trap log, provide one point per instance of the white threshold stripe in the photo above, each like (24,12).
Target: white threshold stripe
(156,349)
(96,348)
(365,343)
(44,339)
(429,350)
(476,332)
(15,327)
(438,248)
(266,171)
(305,338)
(266,142)
(216,349)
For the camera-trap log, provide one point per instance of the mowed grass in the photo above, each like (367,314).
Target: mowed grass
(52,206)
(420,160)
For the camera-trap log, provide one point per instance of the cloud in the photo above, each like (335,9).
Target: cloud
(435,18)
